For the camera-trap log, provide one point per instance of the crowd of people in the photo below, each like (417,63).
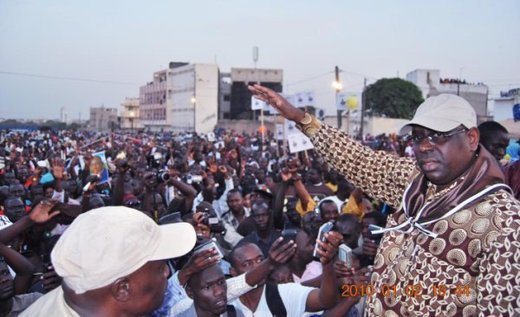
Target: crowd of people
(89,218)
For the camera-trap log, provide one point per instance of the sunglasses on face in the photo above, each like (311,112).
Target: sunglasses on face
(434,138)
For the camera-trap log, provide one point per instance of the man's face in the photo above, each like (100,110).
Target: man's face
(36,190)
(16,190)
(496,144)
(23,173)
(9,178)
(247,201)
(148,285)
(14,209)
(6,282)
(367,221)
(350,231)
(281,275)
(304,247)
(150,179)
(49,192)
(96,166)
(234,201)
(446,160)
(329,211)
(260,176)
(209,290)
(261,217)
(314,176)
(70,186)
(248,257)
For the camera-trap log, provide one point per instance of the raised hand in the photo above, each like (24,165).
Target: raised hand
(281,252)
(42,212)
(58,168)
(327,249)
(198,262)
(277,101)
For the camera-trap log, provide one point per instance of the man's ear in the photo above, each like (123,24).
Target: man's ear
(474,138)
(233,272)
(189,291)
(121,290)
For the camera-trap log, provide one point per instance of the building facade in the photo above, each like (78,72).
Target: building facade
(183,97)
(503,109)
(431,84)
(240,97)
(130,114)
(103,119)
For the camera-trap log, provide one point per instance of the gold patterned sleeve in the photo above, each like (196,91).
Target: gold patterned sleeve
(498,284)
(379,174)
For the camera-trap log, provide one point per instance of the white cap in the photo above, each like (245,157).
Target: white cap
(442,113)
(108,243)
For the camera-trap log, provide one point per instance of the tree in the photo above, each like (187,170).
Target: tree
(393,97)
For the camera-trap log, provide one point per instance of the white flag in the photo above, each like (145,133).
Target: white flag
(290,127)
(304,99)
(299,142)
(341,101)
(257,104)
(279,131)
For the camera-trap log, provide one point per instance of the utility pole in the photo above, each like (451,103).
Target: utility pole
(363,100)
(262,128)
(337,86)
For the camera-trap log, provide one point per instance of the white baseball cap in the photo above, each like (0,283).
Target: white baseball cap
(108,243)
(442,113)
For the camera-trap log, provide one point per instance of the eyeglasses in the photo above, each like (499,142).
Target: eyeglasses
(434,138)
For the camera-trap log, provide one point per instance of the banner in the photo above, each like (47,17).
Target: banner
(99,166)
(299,142)
(303,99)
(348,101)
(290,127)
(279,131)
(257,104)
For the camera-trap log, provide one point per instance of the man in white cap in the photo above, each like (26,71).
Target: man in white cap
(452,248)
(112,263)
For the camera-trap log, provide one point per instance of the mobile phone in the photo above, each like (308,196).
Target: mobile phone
(289,234)
(326,227)
(345,254)
(375,236)
(209,245)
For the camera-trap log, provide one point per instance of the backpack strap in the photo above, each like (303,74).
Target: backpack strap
(274,300)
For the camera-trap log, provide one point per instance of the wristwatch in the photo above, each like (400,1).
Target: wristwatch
(307,119)
(309,125)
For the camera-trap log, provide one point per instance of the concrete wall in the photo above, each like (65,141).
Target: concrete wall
(247,126)
(206,96)
(101,118)
(181,91)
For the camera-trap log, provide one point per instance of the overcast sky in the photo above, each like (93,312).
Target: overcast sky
(119,44)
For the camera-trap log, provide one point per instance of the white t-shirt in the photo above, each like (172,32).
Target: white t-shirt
(294,297)
(51,304)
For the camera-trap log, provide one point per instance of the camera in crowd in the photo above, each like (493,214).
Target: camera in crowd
(213,222)
(162,176)
(190,179)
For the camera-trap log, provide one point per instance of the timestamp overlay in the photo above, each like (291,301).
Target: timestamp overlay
(410,290)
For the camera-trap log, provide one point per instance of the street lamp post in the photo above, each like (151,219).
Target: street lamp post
(336,84)
(193,101)
(131,116)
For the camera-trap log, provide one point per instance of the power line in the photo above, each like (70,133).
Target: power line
(68,78)
(308,79)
